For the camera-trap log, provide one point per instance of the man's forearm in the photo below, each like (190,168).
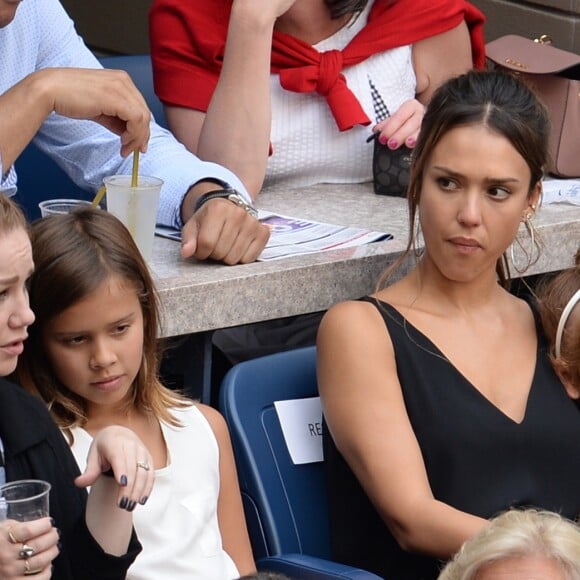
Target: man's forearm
(23,109)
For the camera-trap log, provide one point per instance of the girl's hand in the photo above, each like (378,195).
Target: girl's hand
(402,128)
(119,449)
(39,536)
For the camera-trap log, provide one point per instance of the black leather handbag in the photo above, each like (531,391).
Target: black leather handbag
(390,169)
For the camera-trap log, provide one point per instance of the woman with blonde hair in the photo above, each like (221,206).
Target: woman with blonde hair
(526,544)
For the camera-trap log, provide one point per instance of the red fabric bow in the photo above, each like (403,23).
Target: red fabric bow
(390,24)
(188,41)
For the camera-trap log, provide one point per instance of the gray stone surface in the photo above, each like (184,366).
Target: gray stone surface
(198,296)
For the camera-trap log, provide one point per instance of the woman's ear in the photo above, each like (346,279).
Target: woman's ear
(563,372)
(535,197)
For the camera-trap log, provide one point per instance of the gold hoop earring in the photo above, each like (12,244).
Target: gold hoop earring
(534,247)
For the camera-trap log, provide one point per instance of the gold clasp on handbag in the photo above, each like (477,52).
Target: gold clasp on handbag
(544,39)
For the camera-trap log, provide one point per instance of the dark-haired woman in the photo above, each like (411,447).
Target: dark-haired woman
(441,404)
(287,91)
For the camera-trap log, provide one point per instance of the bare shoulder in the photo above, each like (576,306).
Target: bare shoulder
(349,327)
(353,340)
(349,317)
(216,421)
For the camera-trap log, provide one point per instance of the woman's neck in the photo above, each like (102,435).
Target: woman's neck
(450,296)
(99,417)
(144,424)
(310,21)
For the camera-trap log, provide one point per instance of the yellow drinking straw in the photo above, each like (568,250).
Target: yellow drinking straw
(134,180)
(135,174)
(99,196)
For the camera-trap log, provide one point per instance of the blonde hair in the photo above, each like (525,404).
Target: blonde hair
(11,216)
(519,533)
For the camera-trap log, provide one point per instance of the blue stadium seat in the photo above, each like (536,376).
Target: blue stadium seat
(285,504)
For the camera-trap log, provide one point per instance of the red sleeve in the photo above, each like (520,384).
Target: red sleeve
(187,46)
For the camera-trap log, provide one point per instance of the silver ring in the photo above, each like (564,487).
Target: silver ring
(143,465)
(26,552)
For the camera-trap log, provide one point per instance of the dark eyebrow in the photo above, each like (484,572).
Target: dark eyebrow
(494,180)
(127,318)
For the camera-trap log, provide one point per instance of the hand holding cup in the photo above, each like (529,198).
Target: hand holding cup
(28,540)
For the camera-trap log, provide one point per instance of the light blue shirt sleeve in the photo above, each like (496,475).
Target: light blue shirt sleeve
(85,150)
(7,180)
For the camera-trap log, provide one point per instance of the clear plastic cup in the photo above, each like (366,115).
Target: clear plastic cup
(24,500)
(60,206)
(136,207)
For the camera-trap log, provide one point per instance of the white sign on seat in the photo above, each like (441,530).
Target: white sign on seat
(301,422)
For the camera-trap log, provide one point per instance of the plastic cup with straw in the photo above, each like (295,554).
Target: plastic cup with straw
(134,200)
(134,180)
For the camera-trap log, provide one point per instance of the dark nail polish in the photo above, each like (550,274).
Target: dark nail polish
(123,503)
(144,499)
(123,480)
(59,546)
(53,523)
(382,140)
(393,144)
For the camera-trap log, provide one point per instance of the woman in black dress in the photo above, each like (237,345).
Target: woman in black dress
(441,404)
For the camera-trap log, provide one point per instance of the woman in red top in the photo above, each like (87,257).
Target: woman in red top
(213,61)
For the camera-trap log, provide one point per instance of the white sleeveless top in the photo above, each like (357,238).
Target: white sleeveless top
(307,146)
(178,526)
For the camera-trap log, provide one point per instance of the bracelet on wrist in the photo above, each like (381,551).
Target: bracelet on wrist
(231,195)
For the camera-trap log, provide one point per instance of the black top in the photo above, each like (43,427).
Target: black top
(478,460)
(34,448)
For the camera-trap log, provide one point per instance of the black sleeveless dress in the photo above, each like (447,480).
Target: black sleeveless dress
(478,460)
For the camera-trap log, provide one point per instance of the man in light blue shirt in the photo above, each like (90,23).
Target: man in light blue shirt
(51,93)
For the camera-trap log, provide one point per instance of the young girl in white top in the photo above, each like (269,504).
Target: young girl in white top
(92,356)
